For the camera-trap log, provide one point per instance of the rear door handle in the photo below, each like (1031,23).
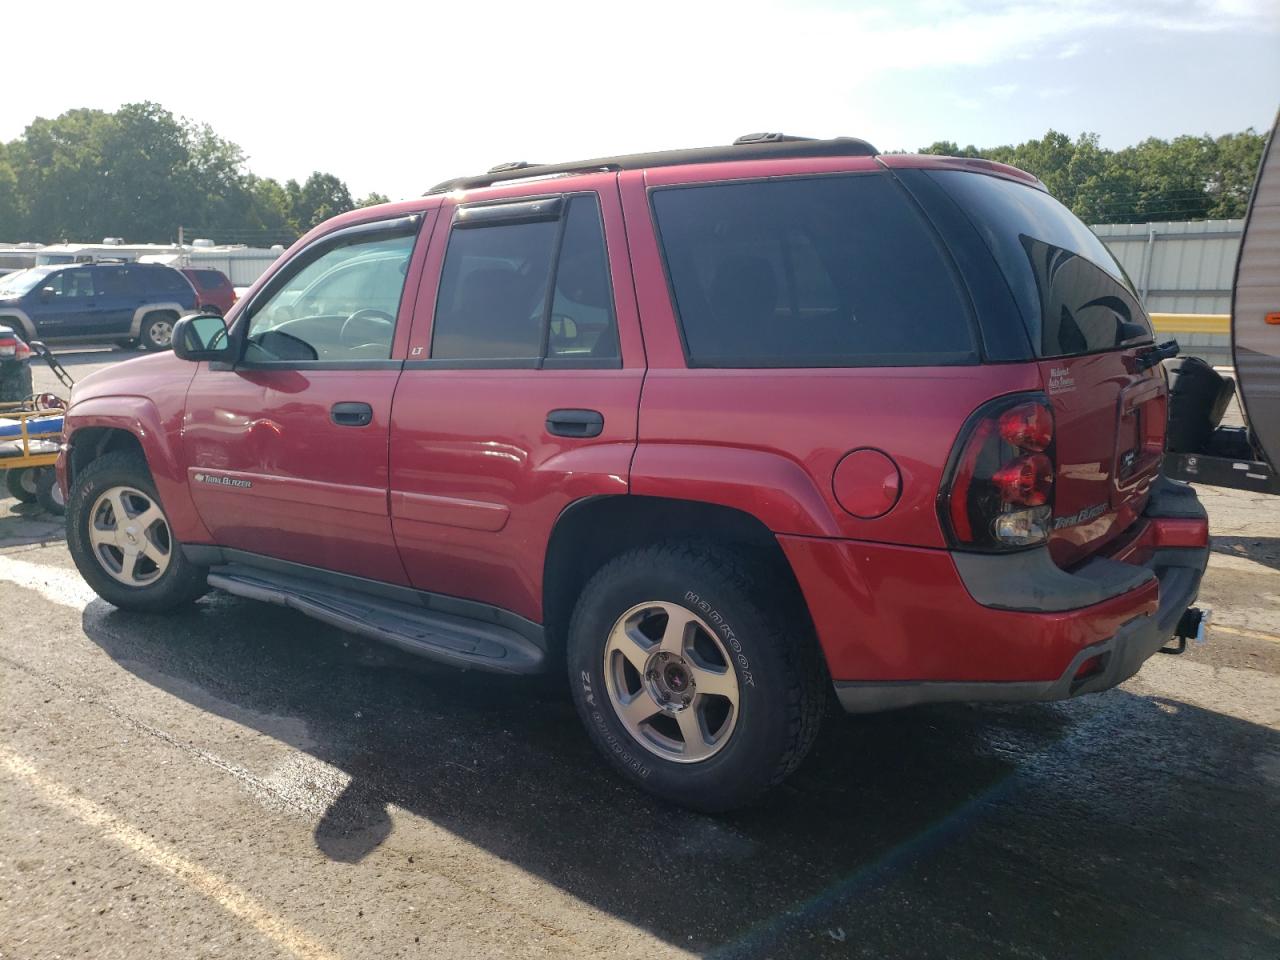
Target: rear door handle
(575,423)
(351,414)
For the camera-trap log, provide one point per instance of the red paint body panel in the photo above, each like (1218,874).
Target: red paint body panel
(887,612)
(319,493)
(769,441)
(478,437)
(1103,406)
(144,396)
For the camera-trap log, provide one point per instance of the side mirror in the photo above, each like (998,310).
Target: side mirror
(201,337)
(47,292)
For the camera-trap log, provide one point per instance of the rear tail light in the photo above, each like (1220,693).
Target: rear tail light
(998,492)
(11,348)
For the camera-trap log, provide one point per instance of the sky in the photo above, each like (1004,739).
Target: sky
(394,97)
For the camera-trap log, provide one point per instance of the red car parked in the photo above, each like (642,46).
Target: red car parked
(712,429)
(214,292)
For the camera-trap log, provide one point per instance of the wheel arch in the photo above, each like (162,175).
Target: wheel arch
(104,424)
(12,316)
(140,315)
(592,531)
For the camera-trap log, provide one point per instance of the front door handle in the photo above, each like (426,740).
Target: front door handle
(351,414)
(575,423)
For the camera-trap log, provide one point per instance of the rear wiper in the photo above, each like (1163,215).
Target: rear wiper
(1149,356)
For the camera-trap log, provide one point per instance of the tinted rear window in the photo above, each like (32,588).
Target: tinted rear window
(211,279)
(1073,295)
(814,272)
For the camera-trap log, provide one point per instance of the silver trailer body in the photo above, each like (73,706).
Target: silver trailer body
(1255,307)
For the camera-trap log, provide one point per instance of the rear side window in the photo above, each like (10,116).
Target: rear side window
(528,291)
(117,282)
(815,272)
(1073,295)
(165,280)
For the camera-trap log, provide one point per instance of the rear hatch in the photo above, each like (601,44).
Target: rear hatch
(1088,334)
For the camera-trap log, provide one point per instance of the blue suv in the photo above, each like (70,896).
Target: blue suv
(124,303)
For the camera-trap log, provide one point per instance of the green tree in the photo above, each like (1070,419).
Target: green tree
(321,197)
(10,213)
(1186,178)
(373,199)
(142,172)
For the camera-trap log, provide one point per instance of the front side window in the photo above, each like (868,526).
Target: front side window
(811,272)
(71,284)
(528,291)
(337,301)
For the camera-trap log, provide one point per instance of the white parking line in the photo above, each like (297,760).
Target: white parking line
(217,888)
(61,586)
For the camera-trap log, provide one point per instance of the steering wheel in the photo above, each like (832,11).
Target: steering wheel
(351,334)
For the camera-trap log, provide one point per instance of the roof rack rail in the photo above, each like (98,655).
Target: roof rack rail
(751,146)
(513,165)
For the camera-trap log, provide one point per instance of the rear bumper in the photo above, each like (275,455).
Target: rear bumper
(903,626)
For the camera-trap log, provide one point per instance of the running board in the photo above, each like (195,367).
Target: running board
(457,641)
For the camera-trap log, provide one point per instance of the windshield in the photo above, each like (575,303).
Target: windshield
(23,281)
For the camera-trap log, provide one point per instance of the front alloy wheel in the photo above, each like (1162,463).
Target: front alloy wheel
(130,536)
(671,682)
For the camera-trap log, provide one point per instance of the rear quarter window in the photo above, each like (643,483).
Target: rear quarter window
(810,272)
(1073,295)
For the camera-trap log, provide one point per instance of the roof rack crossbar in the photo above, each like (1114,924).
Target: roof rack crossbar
(752,146)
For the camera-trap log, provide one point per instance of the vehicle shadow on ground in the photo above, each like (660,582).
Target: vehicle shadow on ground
(1263,550)
(1097,828)
(27,523)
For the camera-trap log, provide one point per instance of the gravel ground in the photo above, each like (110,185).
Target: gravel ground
(239,781)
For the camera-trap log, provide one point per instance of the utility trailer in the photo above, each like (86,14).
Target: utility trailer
(1200,449)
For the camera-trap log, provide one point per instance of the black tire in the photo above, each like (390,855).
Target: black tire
(781,686)
(126,345)
(48,493)
(21,483)
(156,332)
(180,583)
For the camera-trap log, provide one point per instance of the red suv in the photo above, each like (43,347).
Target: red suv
(214,292)
(716,431)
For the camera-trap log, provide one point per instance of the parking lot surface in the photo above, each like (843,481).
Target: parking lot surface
(240,781)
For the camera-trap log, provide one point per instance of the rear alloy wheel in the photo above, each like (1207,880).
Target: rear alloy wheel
(696,673)
(121,540)
(157,331)
(671,682)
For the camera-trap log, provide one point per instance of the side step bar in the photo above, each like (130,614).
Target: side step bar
(457,641)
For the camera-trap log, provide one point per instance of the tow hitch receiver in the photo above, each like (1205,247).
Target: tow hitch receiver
(1192,627)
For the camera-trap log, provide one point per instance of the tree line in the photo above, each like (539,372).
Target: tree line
(139,172)
(1186,178)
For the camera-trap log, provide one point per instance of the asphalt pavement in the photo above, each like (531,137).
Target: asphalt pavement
(240,781)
